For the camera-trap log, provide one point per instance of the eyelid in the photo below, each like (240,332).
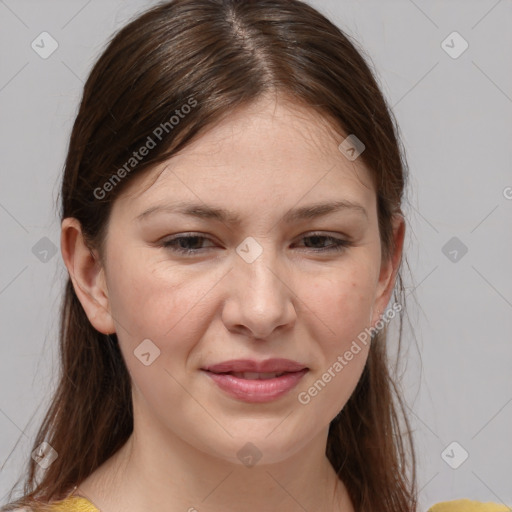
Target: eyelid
(337,244)
(307,234)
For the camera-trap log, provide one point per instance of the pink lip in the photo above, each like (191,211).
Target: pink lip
(249,365)
(257,391)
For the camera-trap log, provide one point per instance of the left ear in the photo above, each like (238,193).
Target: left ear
(389,270)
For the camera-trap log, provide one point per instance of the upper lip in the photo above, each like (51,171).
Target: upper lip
(249,365)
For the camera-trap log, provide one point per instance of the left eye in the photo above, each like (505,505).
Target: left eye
(336,243)
(181,244)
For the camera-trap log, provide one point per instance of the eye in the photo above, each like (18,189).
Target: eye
(176,244)
(336,244)
(192,243)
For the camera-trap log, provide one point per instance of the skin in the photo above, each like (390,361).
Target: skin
(293,301)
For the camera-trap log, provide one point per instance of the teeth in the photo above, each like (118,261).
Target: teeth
(256,376)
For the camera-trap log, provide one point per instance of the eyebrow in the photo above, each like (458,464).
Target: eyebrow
(225,216)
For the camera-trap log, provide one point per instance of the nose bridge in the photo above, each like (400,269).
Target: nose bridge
(260,300)
(258,268)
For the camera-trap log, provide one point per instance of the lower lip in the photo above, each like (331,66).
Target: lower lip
(257,391)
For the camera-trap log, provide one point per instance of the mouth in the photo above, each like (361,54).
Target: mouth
(244,368)
(256,387)
(253,375)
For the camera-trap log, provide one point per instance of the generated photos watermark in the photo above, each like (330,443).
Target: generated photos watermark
(137,156)
(304,397)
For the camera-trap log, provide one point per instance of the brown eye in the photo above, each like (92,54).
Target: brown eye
(335,244)
(184,244)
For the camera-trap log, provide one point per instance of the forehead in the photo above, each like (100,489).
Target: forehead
(272,148)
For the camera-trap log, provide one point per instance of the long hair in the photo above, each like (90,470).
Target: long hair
(216,56)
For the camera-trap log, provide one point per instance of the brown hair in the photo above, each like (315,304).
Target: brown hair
(218,55)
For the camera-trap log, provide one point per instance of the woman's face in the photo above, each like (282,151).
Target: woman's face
(268,285)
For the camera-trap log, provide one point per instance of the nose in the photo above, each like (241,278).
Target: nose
(260,298)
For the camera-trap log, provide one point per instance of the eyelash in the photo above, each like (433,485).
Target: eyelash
(337,244)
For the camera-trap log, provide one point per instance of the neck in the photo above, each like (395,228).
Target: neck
(156,470)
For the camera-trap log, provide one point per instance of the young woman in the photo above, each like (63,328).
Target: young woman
(232,228)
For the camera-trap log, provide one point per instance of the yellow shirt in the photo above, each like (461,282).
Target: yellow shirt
(74,504)
(468,506)
(78,504)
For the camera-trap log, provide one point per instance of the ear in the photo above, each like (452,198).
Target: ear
(389,270)
(87,276)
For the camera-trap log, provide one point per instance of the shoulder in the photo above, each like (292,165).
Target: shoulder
(468,506)
(73,504)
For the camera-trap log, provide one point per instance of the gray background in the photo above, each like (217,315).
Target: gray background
(455,119)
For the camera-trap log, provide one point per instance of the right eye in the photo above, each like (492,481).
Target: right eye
(182,244)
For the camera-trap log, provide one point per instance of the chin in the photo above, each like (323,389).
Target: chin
(260,447)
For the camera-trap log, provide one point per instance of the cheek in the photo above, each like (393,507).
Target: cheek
(342,303)
(148,301)
(342,307)
(167,307)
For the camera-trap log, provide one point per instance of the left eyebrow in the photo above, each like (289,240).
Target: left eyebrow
(220,214)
